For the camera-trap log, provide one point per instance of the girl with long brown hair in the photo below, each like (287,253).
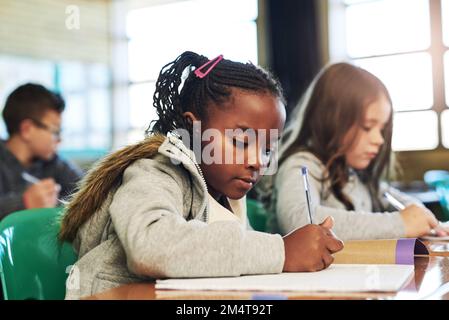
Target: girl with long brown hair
(341,131)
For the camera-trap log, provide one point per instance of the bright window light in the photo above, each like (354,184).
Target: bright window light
(87,117)
(387,26)
(350,2)
(445,128)
(415,131)
(446,76)
(445,13)
(159,34)
(75,122)
(407,77)
(16,71)
(99,118)
(392,39)
(141,103)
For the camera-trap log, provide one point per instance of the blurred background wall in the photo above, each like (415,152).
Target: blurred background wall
(104,57)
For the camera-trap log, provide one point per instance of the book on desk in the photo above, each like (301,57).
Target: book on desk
(362,266)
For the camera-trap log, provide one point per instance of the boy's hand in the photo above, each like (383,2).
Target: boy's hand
(310,248)
(43,194)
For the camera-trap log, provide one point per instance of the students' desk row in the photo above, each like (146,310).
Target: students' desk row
(431,273)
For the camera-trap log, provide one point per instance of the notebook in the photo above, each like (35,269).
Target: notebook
(362,266)
(336,278)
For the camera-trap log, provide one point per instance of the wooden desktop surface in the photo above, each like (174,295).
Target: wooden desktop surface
(430,280)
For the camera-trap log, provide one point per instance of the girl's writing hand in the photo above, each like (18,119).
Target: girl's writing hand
(310,248)
(418,221)
(441,230)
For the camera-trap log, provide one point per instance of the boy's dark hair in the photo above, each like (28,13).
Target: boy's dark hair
(195,95)
(29,101)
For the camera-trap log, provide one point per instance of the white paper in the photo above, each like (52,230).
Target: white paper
(337,278)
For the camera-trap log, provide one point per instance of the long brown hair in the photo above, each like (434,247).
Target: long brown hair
(338,103)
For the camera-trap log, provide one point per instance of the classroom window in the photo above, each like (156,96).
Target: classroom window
(445,126)
(141,97)
(86,119)
(408,138)
(368,35)
(209,27)
(445,18)
(446,76)
(410,89)
(445,113)
(393,39)
(15,71)
(85,88)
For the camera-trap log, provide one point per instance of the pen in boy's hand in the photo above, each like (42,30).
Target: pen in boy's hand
(29,178)
(33,180)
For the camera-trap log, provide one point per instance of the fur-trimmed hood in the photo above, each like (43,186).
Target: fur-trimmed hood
(154,224)
(96,189)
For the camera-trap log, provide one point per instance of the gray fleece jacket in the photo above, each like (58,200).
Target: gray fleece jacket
(154,225)
(362,223)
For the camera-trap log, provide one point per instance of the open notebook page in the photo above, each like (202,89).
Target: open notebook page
(337,278)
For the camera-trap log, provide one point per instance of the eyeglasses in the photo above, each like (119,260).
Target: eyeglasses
(55,132)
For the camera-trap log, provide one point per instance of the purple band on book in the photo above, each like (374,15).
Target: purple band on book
(405,251)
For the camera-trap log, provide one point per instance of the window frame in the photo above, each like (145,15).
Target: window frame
(123,81)
(436,50)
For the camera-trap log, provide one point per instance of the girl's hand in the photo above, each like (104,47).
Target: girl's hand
(418,221)
(310,248)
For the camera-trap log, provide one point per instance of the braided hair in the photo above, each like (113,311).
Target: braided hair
(172,101)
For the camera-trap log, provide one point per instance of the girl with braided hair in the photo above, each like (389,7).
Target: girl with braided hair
(161,209)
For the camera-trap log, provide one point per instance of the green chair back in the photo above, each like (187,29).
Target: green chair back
(257,215)
(33,264)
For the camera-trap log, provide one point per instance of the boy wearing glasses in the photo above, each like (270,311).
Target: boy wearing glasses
(31,173)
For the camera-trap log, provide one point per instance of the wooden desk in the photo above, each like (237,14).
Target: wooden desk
(430,274)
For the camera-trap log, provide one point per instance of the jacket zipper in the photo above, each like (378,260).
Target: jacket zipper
(205,214)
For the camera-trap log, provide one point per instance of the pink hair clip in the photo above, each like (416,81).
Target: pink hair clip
(201,74)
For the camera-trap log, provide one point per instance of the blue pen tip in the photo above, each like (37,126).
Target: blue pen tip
(304,170)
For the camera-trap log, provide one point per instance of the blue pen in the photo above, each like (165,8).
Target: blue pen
(305,177)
